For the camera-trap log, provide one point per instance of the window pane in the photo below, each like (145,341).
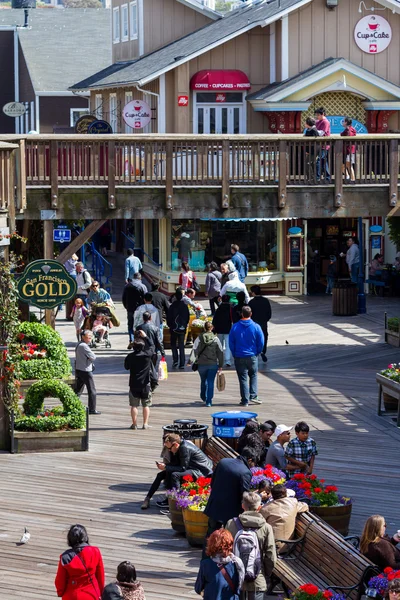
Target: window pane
(133,6)
(236,120)
(211,97)
(200,120)
(212,120)
(125,30)
(116,24)
(224,120)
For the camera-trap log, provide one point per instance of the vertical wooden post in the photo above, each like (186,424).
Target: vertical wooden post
(111,175)
(338,170)
(9,189)
(169,174)
(225,174)
(393,171)
(54,173)
(282,194)
(48,227)
(20,164)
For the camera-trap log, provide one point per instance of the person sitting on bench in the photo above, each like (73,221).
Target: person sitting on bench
(187,459)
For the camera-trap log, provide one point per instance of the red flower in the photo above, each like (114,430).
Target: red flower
(322,480)
(327,594)
(309,588)
(21,336)
(306,485)
(318,490)
(331,488)
(187,478)
(312,477)
(299,476)
(388,570)
(201,490)
(192,492)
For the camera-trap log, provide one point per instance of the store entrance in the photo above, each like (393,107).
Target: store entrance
(328,237)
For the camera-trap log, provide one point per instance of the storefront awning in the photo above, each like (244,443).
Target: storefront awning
(220,80)
(254,219)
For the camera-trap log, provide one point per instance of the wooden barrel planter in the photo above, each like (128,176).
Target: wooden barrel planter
(176,516)
(338,517)
(196,525)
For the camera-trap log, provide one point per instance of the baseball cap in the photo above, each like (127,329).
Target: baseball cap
(281,429)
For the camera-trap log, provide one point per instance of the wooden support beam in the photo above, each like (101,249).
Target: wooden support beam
(48,245)
(111,175)
(393,172)
(78,242)
(20,157)
(54,173)
(225,174)
(169,181)
(338,156)
(282,193)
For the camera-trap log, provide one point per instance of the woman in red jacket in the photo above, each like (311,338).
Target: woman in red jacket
(80,574)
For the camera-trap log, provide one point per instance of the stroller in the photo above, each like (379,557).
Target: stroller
(99,311)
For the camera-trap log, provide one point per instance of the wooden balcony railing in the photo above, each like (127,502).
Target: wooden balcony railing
(169,161)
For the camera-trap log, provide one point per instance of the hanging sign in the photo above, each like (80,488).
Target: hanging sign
(46,284)
(83,123)
(100,127)
(14,109)
(137,114)
(372,34)
(61,235)
(183,100)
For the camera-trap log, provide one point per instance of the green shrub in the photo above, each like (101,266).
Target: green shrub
(33,318)
(394,324)
(72,414)
(56,363)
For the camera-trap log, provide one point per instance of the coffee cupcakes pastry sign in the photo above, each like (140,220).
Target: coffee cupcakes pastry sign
(137,114)
(373,34)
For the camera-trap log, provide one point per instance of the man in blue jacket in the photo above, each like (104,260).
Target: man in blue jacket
(240,262)
(246,341)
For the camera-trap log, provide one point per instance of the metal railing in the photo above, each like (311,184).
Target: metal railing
(140,250)
(100,268)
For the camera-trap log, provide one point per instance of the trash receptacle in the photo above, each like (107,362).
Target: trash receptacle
(344,298)
(229,425)
(188,431)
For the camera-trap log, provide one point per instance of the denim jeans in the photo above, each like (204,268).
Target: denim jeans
(246,369)
(323,161)
(354,272)
(330,281)
(178,339)
(224,339)
(130,326)
(207,376)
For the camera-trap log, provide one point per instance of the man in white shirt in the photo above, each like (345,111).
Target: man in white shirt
(83,281)
(149,307)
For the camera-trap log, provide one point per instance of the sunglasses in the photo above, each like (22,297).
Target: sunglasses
(94,286)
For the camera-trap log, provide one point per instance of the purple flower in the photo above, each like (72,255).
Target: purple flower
(379,583)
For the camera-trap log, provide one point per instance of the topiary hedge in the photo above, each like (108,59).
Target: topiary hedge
(55,364)
(71,415)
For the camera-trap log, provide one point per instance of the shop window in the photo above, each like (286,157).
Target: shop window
(116,25)
(98,107)
(155,241)
(76,114)
(201,242)
(113,113)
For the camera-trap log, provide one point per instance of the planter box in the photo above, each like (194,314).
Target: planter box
(26,384)
(75,440)
(392,388)
(392,338)
(338,517)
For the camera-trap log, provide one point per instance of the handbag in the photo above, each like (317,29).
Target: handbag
(220,382)
(195,285)
(228,579)
(162,370)
(195,365)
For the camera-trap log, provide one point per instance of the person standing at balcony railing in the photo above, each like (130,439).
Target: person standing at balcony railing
(324,129)
(349,153)
(352,259)
(132,265)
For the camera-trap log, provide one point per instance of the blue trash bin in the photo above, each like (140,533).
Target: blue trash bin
(229,425)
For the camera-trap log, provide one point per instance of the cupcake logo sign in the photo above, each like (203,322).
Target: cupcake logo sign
(373,34)
(137,114)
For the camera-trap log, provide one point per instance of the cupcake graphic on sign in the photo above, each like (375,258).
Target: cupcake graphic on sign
(373,24)
(137,114)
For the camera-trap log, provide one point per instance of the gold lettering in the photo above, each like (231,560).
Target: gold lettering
(61,291)
(41,286)
(25,289)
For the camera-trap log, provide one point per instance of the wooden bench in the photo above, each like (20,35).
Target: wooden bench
(320,555)
(215,448)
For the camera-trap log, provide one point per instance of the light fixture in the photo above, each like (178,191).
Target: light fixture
(372,9)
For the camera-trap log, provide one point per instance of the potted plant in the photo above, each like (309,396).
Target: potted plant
(309,591)
(389,384)
(380,582)
(175,510)
(392,331)
(273,475)
(193,503)
(324,500)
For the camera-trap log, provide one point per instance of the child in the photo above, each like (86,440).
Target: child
(331,274)
(302,450)
(264,491)
(100,326)
(311,130)
(78,315)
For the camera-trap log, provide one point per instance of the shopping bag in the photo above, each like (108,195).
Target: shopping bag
(162,370)
(220,382)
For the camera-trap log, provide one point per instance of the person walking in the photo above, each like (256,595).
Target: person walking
(213,285)
(261,314)
(132,298)
(83,281)
(153,333)
(161,303)
(148,306)
(126,586)
(132,265)
(186,277)
(209,357)
(233,286)
(246,342)
(80,573)
(84,367)
(98,295)
(70,265)
(240,262)
(177,321)
(352,259)
(139,364)
(222,322)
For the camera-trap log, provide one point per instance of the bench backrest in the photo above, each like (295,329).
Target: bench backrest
(327,553)
(215,449)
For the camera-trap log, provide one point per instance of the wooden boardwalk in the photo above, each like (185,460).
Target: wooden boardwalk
(325,375)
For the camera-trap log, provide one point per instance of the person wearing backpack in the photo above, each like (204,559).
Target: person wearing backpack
(254,544)
(83,281)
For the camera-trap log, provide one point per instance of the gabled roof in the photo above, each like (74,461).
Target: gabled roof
(61,45)
(198,6)
(150,66)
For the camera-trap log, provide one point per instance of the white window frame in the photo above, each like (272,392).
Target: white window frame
(243,112)
(112,104)
(98,106)
(133,10)
(124,23)
(72,111)
(128,98)
(116,26)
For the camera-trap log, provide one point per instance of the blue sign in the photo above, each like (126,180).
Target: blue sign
(337,125)
(376,241)
(375,228)
(100,127)
(63,236)
(294,230)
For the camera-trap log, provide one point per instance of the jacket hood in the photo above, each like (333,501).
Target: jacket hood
(252,519)
(233,275)
(245,322)
(208,338)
